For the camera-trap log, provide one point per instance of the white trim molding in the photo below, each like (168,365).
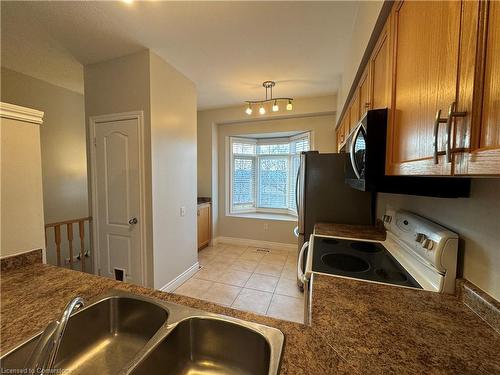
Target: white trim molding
(255,243)
(16,112)
(181,279)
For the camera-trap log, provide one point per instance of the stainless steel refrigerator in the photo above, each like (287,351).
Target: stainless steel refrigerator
(323,196)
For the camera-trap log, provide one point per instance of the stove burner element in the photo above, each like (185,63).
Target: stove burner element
(394,276)
(345,262)
(366,247)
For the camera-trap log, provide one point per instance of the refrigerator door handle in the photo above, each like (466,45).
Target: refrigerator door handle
(300,272)
(300,191)
(297,190)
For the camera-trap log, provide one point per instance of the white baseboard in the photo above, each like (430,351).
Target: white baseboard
(256,243)
(179,280)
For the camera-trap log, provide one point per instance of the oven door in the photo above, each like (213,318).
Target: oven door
(356,158)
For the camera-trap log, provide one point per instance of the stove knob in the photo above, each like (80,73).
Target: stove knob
(428,244)
(420,237)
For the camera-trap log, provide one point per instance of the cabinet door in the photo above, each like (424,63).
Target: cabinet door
(479,132)
(340,135)
(380,71)
(354,110)
(364,93)
(347,124)
(203,225)
(426,46)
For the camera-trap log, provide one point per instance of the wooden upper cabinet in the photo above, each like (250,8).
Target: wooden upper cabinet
(343,130)
(380,70)
(347,124)
(477,136)
(354,110)
(364,93)
(340,136)
(425,73)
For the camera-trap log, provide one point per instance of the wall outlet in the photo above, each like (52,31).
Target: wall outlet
(266,226)
(183,211)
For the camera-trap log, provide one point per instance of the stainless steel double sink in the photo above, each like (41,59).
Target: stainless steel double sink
(127,334)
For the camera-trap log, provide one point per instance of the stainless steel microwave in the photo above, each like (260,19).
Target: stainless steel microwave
(365,149)
(365,164)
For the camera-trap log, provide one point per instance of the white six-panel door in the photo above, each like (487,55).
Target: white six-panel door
(117,186)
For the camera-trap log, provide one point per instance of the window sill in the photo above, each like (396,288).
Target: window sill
(264,216)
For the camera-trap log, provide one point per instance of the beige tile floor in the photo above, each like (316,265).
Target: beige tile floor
(247,278)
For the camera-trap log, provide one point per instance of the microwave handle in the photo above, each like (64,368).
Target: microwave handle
(351,151)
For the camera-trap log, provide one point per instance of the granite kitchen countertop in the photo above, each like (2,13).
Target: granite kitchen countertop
(357,327)
(364,232)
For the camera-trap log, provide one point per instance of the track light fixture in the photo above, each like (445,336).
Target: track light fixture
(268,85)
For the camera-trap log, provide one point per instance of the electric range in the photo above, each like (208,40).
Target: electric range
(359,259)
(416,253)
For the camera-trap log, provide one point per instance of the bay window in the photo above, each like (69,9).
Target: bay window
(263,173)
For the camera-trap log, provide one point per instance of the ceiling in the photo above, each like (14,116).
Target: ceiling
(226,48)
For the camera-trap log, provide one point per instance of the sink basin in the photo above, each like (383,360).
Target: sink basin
(127,334)
(101,338)
(210,345)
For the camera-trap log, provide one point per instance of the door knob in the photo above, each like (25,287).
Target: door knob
(133,221)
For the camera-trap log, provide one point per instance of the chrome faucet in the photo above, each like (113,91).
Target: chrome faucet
(44,355)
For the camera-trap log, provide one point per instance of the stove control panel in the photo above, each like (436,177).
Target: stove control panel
(428,244)
(420,237)
(428,240)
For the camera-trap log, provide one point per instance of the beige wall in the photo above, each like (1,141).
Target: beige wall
(322,128)
(368,12)
(122,85)
(210,120)
(62,135)
(22,223)
(144,82)
(173,153)
(475,219)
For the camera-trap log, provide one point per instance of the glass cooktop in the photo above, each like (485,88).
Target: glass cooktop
(359,260)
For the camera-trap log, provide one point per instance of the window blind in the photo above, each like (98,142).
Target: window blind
(264,172)
(273,182)
(300,143)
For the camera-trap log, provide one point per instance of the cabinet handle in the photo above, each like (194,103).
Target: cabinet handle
(452,113)
(198,213)
(449,123)
(437,121)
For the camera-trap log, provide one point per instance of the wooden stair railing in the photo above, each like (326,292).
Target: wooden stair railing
(69,232)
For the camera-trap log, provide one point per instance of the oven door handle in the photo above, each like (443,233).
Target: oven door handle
(351,151)
(300,272)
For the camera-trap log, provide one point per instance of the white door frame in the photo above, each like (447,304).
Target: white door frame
(93,122)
